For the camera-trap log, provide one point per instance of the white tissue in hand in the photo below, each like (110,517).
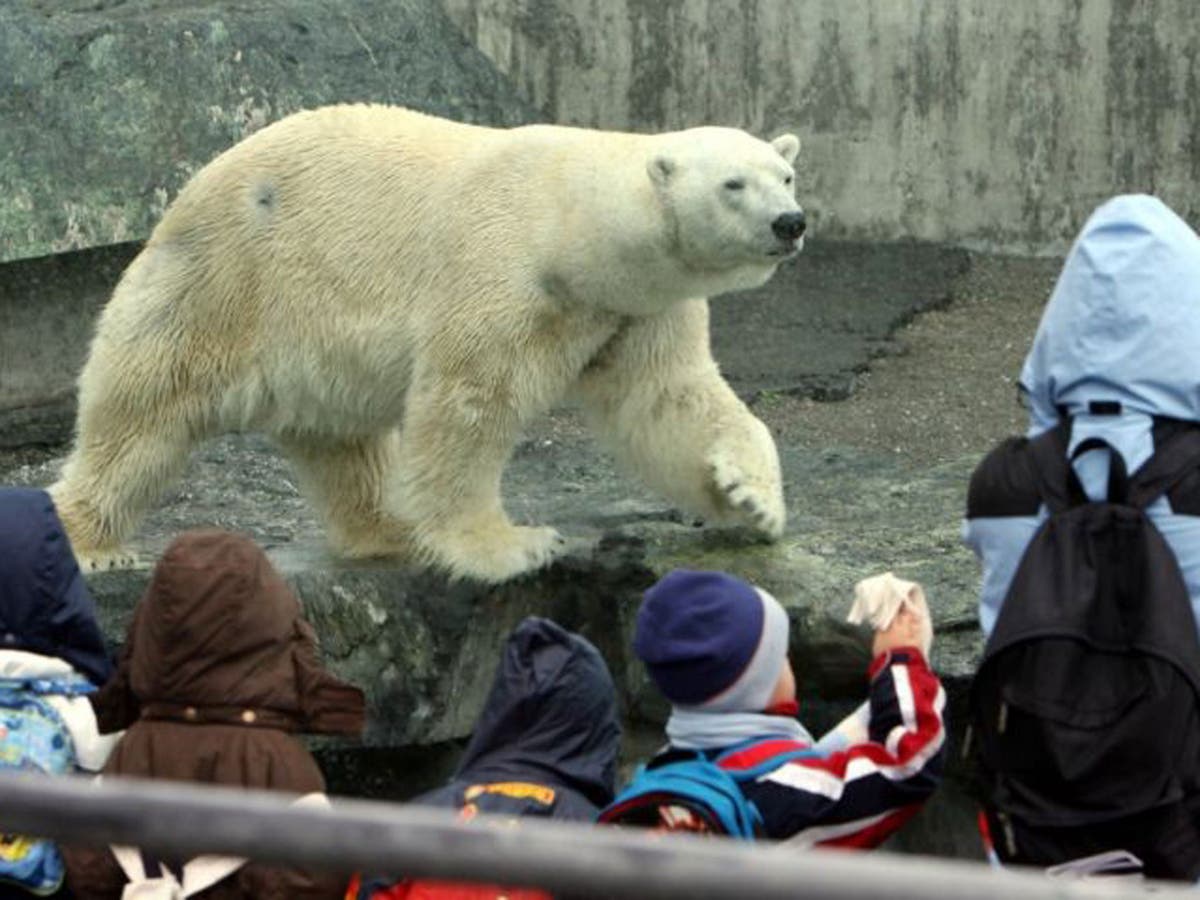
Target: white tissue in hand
(879,599)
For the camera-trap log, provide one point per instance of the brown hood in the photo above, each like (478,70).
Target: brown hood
(218,636)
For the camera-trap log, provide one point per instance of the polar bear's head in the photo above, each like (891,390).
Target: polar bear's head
(729,201)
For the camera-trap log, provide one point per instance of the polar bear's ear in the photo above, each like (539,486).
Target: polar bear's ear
(787,146)
(661,168)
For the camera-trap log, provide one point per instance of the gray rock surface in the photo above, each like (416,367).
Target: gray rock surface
(48,308)
(107,106)
(415,641)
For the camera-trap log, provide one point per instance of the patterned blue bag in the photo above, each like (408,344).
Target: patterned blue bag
(34,738)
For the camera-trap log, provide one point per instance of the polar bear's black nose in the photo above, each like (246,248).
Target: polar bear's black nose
(789,226)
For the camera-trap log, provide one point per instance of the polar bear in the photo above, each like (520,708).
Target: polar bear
(392,296)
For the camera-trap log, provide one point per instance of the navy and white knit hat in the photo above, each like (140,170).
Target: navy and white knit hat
(712,641)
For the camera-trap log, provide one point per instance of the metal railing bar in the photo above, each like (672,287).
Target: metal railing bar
(576,860)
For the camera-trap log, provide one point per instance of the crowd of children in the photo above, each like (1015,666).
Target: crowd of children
(219,673)
(1088,531)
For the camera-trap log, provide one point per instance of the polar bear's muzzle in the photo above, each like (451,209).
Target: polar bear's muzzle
(789,228)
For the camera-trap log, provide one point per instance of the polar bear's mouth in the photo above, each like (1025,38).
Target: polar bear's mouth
(784,249)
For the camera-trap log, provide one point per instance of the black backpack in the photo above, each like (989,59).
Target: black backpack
(1086,705)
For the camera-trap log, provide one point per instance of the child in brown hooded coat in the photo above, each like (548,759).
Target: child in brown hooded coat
(218,674)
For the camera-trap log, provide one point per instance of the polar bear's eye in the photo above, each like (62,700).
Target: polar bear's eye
(788,180)
(735,184)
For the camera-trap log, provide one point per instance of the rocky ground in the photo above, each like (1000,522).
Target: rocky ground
(885,373)
(949,390)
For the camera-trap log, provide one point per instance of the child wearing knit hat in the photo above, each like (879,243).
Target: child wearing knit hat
(716,647)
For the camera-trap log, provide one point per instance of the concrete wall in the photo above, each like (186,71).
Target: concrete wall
(992,124)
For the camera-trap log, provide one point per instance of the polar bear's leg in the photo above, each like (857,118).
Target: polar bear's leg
(144,403)
(347,480)
(118,469)
(655,397)
(454,444)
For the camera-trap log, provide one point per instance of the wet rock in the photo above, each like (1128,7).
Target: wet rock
(107,107)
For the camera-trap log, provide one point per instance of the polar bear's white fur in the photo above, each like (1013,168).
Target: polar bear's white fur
(392,296)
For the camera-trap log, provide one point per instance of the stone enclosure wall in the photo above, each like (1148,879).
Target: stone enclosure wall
(991,125)
(108,106)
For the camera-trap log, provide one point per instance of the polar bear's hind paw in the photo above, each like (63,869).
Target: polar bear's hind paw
(500,556)
(106,560)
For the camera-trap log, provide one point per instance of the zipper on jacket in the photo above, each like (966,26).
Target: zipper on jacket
(1002,719)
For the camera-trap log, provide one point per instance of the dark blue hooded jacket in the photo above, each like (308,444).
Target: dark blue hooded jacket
(550,720)
(45,606)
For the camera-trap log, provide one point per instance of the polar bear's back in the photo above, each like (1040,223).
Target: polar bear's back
(374,207)
(345,193)
(315,252)
(342,190)
(334,247)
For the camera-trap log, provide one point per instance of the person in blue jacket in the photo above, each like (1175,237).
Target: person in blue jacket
(544,745)
(52,657)
(551,719)
(1117,354)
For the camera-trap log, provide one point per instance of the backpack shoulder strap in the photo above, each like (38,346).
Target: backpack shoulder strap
(762,767)
(1171,462)
(1021,474)
(1057,482)
(1005,483)
(1118,475)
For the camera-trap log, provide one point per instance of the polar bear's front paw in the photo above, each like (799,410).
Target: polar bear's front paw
(105,560)
(494,555)
(748,499)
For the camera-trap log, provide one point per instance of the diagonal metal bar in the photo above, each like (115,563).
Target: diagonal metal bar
(570,859)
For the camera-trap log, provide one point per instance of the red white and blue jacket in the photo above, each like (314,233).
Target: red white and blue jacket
(859,795)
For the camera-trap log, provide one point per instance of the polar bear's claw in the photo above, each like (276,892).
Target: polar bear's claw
(106,560)
(750,501)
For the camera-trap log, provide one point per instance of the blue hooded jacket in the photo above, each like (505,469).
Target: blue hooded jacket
(550,719)
(1122,329)
(45,606)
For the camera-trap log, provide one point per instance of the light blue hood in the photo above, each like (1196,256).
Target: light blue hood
(1123,325)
